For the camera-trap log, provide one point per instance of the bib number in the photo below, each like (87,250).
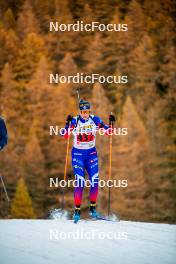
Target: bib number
(85,138)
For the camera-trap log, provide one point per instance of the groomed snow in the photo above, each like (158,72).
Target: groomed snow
(63,242)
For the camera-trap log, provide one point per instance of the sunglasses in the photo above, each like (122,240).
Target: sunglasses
(85,111)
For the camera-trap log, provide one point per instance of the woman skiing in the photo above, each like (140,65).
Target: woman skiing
(84,154)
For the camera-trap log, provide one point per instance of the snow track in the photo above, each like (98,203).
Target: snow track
(51,241)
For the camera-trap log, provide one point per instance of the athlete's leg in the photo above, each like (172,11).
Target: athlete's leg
(92,169)
(78,168)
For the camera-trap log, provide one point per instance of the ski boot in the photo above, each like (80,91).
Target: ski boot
(93,212)
(76,215)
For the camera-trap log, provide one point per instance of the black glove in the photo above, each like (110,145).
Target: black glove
(111,119)
(69,119)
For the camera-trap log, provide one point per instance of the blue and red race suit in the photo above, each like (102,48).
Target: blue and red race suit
(84,154)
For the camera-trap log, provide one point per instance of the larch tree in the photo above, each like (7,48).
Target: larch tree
(50,104)
(135,19)
(121,45)
(61,42)
(67,65)
(23,69)
(142,76)
(166,62)
(12,45)
(9,46)
(8,93)
(44,11)
(66,38)
(162,163)
(9,20)
(130,156)
(83,41)
(62,12)
(103,11)
(22,204)
(41,102)
(94,55)
(28,57)
(34,169)
(27,21)
(111,55)
(101,107)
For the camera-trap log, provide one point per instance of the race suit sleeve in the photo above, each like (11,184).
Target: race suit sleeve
(100,124)
(71,126)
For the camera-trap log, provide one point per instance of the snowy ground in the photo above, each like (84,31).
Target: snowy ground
(51,241)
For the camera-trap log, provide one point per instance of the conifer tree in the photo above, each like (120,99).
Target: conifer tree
(22,203)
(135,19)
(67,39)
(9,46)
(67,65)
(83,13)
(34,170)
(130,156)
(9,19)
(114,43)
(28,57)
(101,107)
(142,74)
(44,11)
(94,55)
(12,45)
(27,21)
(162,166)
(62,12)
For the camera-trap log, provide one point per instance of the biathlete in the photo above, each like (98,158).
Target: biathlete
(84,154)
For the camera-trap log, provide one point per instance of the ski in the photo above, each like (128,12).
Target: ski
(104,218)
(111,218)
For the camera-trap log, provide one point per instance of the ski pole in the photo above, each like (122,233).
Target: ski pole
(5,190)
(110,167)
(78,95)
(78,92)
(67,151)
(65,169)
(66,157)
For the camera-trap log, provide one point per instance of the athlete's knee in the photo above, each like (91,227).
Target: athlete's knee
(94,180)
(79,181)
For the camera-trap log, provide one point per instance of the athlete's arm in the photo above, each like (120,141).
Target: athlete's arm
(101,125)
(70,125)
(99,122)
